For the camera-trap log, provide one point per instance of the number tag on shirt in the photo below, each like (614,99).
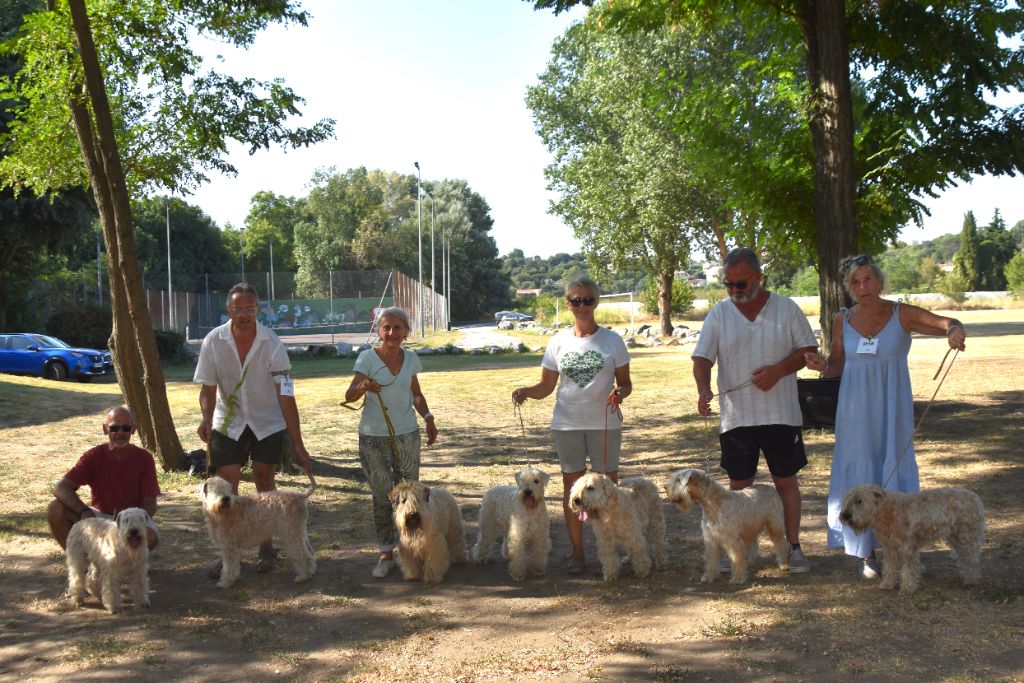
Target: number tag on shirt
(287,386)
(867,345)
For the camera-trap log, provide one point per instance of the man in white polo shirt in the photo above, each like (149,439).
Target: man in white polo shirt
(758,340)
(248,402)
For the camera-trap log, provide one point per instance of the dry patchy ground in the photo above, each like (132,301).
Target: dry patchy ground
(478,624)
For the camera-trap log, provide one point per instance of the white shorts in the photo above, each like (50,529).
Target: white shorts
(575,446)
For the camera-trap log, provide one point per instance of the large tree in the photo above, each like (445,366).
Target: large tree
(965,262)
(624,182)
(111,96)
(927,118)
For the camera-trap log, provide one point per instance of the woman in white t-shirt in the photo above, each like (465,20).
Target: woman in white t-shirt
(593,365)
(389,371)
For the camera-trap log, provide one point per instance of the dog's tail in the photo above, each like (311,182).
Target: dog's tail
(312,485)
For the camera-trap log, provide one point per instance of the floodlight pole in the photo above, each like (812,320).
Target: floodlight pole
(419,234)
(170,289)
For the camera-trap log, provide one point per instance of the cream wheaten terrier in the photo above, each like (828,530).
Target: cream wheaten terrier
(118,553)
(518,515)
(904,522)
(430,533)
(237,521)
(627,516)
(732,521)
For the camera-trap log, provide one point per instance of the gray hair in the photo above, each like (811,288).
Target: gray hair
(114,409)
(849,266)
(585,283)
(398,314)
(742,255)
(242,288)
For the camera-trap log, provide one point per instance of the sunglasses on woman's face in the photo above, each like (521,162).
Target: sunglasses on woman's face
(856,261)
(578,301)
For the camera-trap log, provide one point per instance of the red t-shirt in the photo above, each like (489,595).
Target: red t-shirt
(117,481)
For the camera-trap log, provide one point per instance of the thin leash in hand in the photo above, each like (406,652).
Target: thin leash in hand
(906,449)
(392,438)
(615,410)
(707,425)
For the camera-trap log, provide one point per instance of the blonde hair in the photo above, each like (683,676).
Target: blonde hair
(848,266)
(585,283)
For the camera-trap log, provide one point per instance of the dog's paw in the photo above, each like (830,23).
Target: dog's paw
(709,578)
(225,584)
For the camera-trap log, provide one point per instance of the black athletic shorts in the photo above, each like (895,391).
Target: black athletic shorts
(783,447)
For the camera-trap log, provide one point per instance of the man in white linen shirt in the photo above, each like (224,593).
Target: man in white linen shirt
(758,338)
(248,401)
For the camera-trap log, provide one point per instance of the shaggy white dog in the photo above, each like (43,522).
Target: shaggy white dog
(118,553)
(904,522)
(519,516)
(430,532)
(731,521)
(237,521)
(627,517)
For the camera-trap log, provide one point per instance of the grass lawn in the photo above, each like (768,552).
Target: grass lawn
(478,624)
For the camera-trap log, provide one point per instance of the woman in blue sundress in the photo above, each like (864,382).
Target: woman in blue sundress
(875,415)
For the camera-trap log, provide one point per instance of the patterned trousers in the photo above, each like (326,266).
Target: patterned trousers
(383,474)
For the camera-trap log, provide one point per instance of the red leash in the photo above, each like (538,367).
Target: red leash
(615,410)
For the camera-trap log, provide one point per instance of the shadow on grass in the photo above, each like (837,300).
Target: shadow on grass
(26,405)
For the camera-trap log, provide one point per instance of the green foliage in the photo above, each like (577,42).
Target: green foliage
(1014,273)
(953,286)
(966,263)
(170,344)
(197,244)
(172,117)
(995,249)
(622,176)
(82,325)
(804,283)
(682,297)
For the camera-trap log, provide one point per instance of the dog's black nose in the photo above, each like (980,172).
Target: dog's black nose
(845,516)
(527,493)
(578,501)
(133,532)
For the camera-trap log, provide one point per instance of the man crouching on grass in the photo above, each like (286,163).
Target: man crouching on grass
(120,476)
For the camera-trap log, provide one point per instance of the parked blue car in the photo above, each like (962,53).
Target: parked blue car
(38,354)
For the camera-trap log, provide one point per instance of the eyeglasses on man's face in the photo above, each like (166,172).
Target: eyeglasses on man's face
(578,301)
(856,261)
(239,310)
(740,285)
(120,428)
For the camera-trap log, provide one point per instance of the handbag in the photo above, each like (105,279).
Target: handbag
(818,401)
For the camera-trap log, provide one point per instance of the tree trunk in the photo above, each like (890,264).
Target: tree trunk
(133,345)
(665,302)
(831,123)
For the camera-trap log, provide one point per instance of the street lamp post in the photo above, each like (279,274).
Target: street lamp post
(433,280)
(170,289)
(419,233)
(272,270)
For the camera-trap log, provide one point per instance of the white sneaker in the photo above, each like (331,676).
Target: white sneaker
(869,568)
(383,568)
(798,564)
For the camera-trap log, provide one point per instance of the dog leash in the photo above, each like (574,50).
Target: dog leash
(392,438)
(896,465)
(707,425)
(615,410)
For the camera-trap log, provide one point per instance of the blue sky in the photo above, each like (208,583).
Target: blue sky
(443,83)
